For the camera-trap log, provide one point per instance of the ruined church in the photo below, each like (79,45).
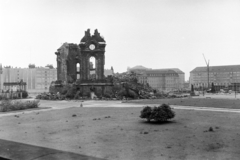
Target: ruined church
(74,63)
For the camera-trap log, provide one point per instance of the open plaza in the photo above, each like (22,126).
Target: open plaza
(203,128)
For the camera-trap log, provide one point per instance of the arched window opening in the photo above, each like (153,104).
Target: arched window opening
(92,68)
(78,70)
(92,62)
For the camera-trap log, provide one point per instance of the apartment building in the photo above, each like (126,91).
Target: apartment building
(38,79)
(221,76)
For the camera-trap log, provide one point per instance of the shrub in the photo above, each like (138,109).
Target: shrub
(108,92)
(65,89)
(132,94)
(9,105)
(161,113)
(24,94)
(38,96)
(69,91)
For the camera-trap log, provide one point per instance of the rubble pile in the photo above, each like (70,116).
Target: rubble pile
(125,86)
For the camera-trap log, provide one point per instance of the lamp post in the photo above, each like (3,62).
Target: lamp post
(0,80)
(208,73)
(234,84)
(203,89)
(1,71)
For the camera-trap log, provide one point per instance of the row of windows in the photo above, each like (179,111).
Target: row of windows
(216,73)
(154,75)
(39,77)
(46,84)
(53,74)
(216,84)
(215,76)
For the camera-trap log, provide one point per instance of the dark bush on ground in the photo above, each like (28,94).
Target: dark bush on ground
(161,113)
(71,93)
(9,105)
(107,94)
(24,94)
(160,95)
(132,94)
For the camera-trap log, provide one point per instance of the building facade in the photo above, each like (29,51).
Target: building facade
(220,76)
(161,79)
(37,79)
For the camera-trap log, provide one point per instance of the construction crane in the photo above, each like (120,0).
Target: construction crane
(207,63)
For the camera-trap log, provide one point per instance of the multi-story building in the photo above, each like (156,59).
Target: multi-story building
(161,79)
(220,76)
(38,79)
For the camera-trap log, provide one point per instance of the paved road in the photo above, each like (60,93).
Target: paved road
(46,105)
(219,96)
(206,109)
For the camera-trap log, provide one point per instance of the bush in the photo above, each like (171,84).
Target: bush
(161,113)
(9,105)
(132,94)
(24,94)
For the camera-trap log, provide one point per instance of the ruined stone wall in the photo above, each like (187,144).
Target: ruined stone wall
(68,55)
(73,58)
(62,54)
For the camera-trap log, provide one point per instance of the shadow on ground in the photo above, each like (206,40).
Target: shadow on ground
(158,123)
(10,150)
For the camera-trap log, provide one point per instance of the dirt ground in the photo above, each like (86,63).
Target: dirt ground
(119,133)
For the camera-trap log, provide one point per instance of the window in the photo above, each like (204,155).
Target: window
(78,70)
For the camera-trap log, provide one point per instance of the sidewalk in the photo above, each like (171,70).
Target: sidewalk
(219,96)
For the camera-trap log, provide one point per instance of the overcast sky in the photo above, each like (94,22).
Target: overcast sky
(153,33)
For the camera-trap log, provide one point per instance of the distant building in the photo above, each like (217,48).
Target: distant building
(14,86)
(161,79)
(186,86)
(220,76)
(108,72)
(36,79)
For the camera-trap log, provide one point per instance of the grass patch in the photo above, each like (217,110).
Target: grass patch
(9,105)
(198,102)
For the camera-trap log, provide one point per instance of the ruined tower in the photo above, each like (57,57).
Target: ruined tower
(92,46)
(83,65)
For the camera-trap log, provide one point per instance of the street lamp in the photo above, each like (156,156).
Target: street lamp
(1,71)
(234,84)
